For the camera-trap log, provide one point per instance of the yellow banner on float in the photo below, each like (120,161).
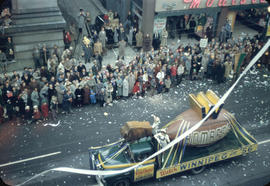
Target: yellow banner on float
(205,160)
(144,172)
(268,28)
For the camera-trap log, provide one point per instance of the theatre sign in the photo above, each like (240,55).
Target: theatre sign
(170,5)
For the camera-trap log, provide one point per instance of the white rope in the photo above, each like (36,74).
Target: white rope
(172,143)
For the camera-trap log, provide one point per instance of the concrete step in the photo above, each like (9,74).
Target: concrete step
(14,29)
(34,20)
(53,13)
(25,51)
(19,65)
(34,37)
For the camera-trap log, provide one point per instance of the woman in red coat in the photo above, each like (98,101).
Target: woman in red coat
(136,89)
(45,111)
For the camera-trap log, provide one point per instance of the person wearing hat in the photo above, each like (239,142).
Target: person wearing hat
(87,50)
(67,102)
(35,97)
(79,92)
(103,38)
(122,47)
(98,48)
(81,24)
(36,114)
(28,114)
(45,109)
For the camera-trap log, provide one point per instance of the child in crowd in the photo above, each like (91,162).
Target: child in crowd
(28,115)
(45,110)
(36,115)
(168,84)
(93,97)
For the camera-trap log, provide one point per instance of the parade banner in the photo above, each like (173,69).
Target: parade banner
(159,24)
(203,43)
(231,18)
(171,144)
(268,27)
(239,59)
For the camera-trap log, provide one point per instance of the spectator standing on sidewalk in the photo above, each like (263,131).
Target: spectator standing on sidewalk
(36,57)
(122,46)
(139,40)
(164,37)
(147,44)
(81,25)
(167,84)
(67,101)
(10,49)
(54,108)
(3,61)
(125,87)
(103,39)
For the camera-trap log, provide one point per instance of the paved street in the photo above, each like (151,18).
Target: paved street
(88,126)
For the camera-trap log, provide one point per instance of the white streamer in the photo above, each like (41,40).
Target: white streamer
(51,124)
(172,143)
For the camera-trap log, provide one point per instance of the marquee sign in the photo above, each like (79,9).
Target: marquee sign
(170,5)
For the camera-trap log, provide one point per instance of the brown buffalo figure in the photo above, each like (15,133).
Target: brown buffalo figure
(134,130)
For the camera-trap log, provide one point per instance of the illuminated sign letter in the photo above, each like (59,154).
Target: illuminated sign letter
(220,2)
(233,2)
(262,1)
(254,1)
(242,2)
(209,3)
(187,1)
(195,4)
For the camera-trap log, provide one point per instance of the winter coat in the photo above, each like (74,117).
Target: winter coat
(139,39)
(45,110)
(37,115)
(44,94)
(131,82)
(168,83)
(119,83)
(130,36)
(93,97)
(122,46)
(115,36)
(125,88)
(86,96)
(35,98)
(102,37)
(228,68)
(60,94)
(98,48)
(108,94)
(164,37)
(147,44)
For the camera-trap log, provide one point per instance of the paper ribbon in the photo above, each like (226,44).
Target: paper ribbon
(172,143)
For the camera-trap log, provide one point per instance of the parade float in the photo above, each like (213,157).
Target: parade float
(220,137)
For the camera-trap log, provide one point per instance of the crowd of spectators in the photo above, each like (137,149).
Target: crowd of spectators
(60,81)
(6,53)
